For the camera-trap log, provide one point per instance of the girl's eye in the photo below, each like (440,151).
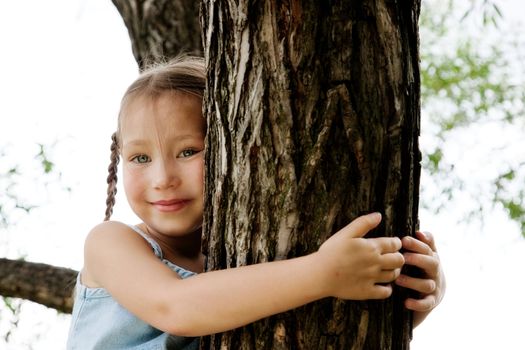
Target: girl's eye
(187,153)
(141,159)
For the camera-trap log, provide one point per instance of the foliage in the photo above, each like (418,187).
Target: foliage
(472,82)
(10,314)
(15,176)
(14,205)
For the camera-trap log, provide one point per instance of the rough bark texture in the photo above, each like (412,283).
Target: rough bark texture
(161,28)
(45,284)
(313,119)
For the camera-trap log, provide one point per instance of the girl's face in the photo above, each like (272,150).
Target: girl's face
(162,147)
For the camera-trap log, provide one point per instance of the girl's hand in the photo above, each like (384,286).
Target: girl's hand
(359,268)
(422,253)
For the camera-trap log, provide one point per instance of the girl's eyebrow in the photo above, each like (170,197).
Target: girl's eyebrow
(135,143)
(141,142)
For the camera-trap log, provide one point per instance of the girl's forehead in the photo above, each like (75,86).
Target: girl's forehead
(166,113)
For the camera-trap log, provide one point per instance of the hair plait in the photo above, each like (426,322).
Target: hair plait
(112,176)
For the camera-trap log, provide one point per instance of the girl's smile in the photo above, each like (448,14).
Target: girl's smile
(171,205)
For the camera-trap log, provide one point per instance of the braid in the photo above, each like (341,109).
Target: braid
(112,176)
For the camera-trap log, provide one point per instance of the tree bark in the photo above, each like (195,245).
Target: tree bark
(161,28)
(44,284)
(313,119)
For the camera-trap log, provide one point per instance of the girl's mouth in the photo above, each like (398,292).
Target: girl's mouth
(171,205)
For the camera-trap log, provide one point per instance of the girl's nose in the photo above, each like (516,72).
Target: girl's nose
(165,175)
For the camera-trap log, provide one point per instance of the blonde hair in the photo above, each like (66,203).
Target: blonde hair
(184,74)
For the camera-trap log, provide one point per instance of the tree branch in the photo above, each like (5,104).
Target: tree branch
(48,285)
(162,28)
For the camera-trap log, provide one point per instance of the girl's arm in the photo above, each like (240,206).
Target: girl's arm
(346,266)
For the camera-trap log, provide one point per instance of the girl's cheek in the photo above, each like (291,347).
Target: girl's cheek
(127,183)
(200,170)
(132,179)
(194,174)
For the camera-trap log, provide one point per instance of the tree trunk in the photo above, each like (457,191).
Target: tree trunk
(313,119)
(161,28)
(45,284)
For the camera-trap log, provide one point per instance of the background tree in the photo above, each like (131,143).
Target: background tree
(162,28)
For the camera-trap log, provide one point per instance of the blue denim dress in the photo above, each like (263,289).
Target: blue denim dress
(99,322)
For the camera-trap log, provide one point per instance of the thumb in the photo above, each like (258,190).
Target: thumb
(363,224)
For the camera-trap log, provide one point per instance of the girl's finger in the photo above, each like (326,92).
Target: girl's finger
(429,264)
(387,244)
(381,291)
(421,285)
(392,261)
(388,276)
(414,245)
(428,238)
(421,305)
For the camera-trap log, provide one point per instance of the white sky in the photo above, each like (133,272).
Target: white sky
(64,65)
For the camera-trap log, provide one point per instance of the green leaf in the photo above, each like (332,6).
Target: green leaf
(434,159)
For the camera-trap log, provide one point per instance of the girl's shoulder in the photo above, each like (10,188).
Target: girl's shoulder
(109,231)
(112,243)
(121,236)
(110,226)
(114,237)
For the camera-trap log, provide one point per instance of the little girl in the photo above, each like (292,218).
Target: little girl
(142,286)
